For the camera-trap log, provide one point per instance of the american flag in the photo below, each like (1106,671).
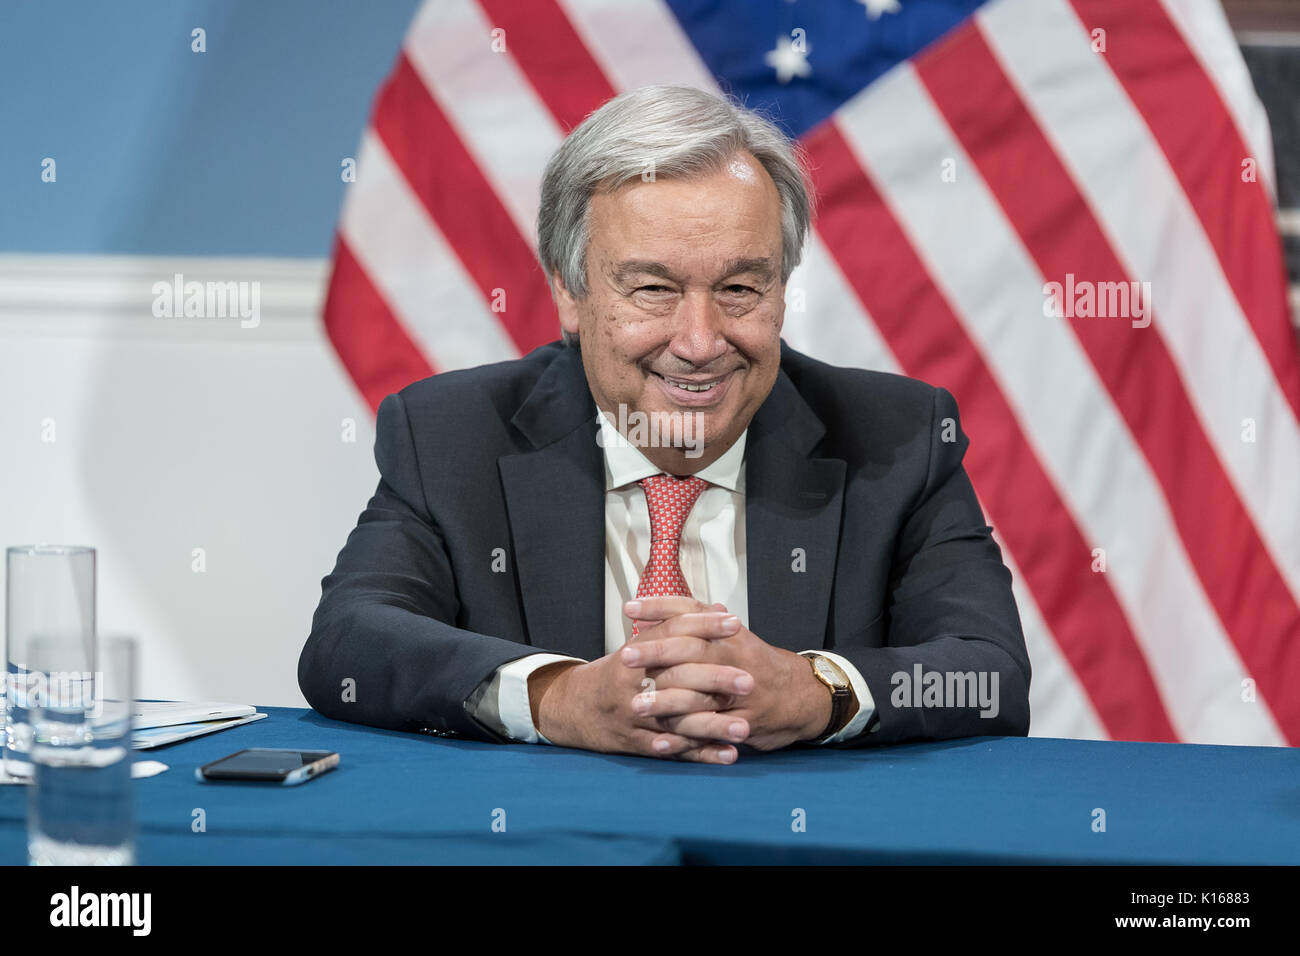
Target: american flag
(988,173)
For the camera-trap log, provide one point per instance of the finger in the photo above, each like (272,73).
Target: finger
(708,726)
(676,701)
(661,608)
(716,679)
(658,743)
(664,652)
(677,747)
(710,753)
(642,624)
(711,625)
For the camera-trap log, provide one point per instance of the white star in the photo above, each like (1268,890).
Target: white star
(788,60)
(876,7)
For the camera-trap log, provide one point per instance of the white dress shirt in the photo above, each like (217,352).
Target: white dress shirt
(712,553)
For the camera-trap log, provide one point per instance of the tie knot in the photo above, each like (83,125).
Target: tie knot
(670,500)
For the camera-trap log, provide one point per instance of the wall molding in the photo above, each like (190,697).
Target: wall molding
(112,296)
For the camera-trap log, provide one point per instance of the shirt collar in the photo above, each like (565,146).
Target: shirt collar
(624,463)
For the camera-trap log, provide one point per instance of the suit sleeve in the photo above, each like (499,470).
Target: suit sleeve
(384,649)
(950,611)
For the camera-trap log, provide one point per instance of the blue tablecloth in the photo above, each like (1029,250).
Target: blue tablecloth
(410,798)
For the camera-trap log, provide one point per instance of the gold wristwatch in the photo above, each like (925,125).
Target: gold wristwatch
(833,676)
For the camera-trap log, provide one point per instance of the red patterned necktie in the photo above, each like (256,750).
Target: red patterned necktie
(670,500)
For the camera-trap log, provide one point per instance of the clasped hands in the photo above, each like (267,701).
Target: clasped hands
(692,684)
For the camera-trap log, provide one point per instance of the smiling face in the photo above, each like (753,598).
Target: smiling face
(685,303)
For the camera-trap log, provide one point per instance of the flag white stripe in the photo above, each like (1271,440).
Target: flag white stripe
(1123,174)
(974,256)
(1206,32)
(833,325)
(485,96)
(1058,704)
(628,41)
(410,263)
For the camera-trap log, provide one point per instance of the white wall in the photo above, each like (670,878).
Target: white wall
(173,434)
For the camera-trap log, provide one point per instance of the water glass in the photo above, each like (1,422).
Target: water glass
(49,596)
(81,802)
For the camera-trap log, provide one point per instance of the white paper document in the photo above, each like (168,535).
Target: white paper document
(168,713)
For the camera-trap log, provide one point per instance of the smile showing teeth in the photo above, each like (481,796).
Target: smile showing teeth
(690,386)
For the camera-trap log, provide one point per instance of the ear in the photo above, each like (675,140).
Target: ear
(565,304)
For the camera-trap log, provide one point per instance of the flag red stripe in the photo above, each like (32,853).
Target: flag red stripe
(369,339)
(463,204)
(921,328)
(544,44)
(1062,235)
(1188,118)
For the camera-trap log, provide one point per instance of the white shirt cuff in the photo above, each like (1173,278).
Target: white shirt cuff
(503,703)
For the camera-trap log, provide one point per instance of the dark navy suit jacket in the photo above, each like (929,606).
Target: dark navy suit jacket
(858,472)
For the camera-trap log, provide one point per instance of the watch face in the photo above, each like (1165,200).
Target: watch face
(829,672)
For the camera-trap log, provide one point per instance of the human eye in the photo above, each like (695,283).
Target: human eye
(739,291)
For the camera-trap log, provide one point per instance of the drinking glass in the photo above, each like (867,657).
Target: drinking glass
(80,810)
(49,595)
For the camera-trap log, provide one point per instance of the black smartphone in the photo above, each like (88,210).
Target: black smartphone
(287,767)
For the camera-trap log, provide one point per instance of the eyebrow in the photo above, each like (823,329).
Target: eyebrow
(761,265)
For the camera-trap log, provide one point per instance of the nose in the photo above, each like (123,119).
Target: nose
(698,337)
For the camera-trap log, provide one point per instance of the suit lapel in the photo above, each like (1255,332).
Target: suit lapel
(555,499)
(793,505)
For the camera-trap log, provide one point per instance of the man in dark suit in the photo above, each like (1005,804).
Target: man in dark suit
(671,534)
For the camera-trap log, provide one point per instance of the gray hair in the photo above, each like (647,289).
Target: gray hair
(669,132)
